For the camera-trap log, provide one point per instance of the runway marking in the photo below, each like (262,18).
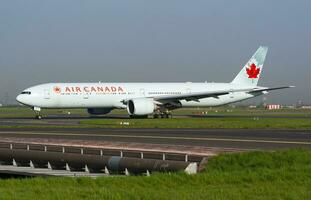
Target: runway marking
(164,137)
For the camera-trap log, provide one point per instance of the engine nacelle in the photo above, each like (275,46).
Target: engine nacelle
(99,111)
(141,106)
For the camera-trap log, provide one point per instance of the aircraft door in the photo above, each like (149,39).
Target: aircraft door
(47,94)
(86,95)
(142,92)
(231,94)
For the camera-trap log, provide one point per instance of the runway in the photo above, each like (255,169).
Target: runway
(219,138)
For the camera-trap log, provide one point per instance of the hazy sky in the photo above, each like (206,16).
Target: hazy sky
(160,40)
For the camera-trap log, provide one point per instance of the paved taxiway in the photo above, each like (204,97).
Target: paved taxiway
(226,138)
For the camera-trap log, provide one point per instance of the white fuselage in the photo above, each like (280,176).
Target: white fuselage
(112,95)
(143,99)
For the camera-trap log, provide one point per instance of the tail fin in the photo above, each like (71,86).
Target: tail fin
(250,73)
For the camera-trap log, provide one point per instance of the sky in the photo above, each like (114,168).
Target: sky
(154,41)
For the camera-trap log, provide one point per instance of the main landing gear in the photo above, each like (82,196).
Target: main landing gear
(162,115)
(38,112)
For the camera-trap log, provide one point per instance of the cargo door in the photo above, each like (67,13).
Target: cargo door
(86,95)
(231,94)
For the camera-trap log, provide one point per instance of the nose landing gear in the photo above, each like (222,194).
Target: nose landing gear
(38,112)
(38,116)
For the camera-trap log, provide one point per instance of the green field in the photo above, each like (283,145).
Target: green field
(256,175)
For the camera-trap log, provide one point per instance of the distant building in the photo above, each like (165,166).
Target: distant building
(289,106)
(273,106)
(0,105)
(306,107)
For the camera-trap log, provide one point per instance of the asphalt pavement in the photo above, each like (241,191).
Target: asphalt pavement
(220,138)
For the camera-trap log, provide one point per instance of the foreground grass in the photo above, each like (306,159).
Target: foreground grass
(236,123)
(255,175)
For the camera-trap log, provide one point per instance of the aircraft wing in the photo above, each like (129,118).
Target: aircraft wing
(195,96)
(215,94)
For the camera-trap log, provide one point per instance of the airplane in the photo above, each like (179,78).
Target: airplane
(143,99)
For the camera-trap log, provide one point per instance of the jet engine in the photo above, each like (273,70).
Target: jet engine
(99,111)
(140,107)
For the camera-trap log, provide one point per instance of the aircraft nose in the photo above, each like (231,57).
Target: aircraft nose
(19,99)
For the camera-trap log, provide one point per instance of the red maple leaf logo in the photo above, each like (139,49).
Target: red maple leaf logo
(252,71)
(57,89)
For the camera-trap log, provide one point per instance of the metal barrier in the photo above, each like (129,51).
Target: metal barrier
(94,160)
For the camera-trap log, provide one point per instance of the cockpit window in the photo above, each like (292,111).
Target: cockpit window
(26,92)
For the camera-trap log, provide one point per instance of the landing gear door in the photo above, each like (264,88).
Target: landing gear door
(47,94)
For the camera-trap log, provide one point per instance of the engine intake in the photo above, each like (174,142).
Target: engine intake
(143,106)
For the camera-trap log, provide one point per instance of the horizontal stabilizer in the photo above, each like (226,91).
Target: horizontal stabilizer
(269,89)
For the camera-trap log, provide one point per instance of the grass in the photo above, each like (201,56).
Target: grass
(234,123)
(277,175)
